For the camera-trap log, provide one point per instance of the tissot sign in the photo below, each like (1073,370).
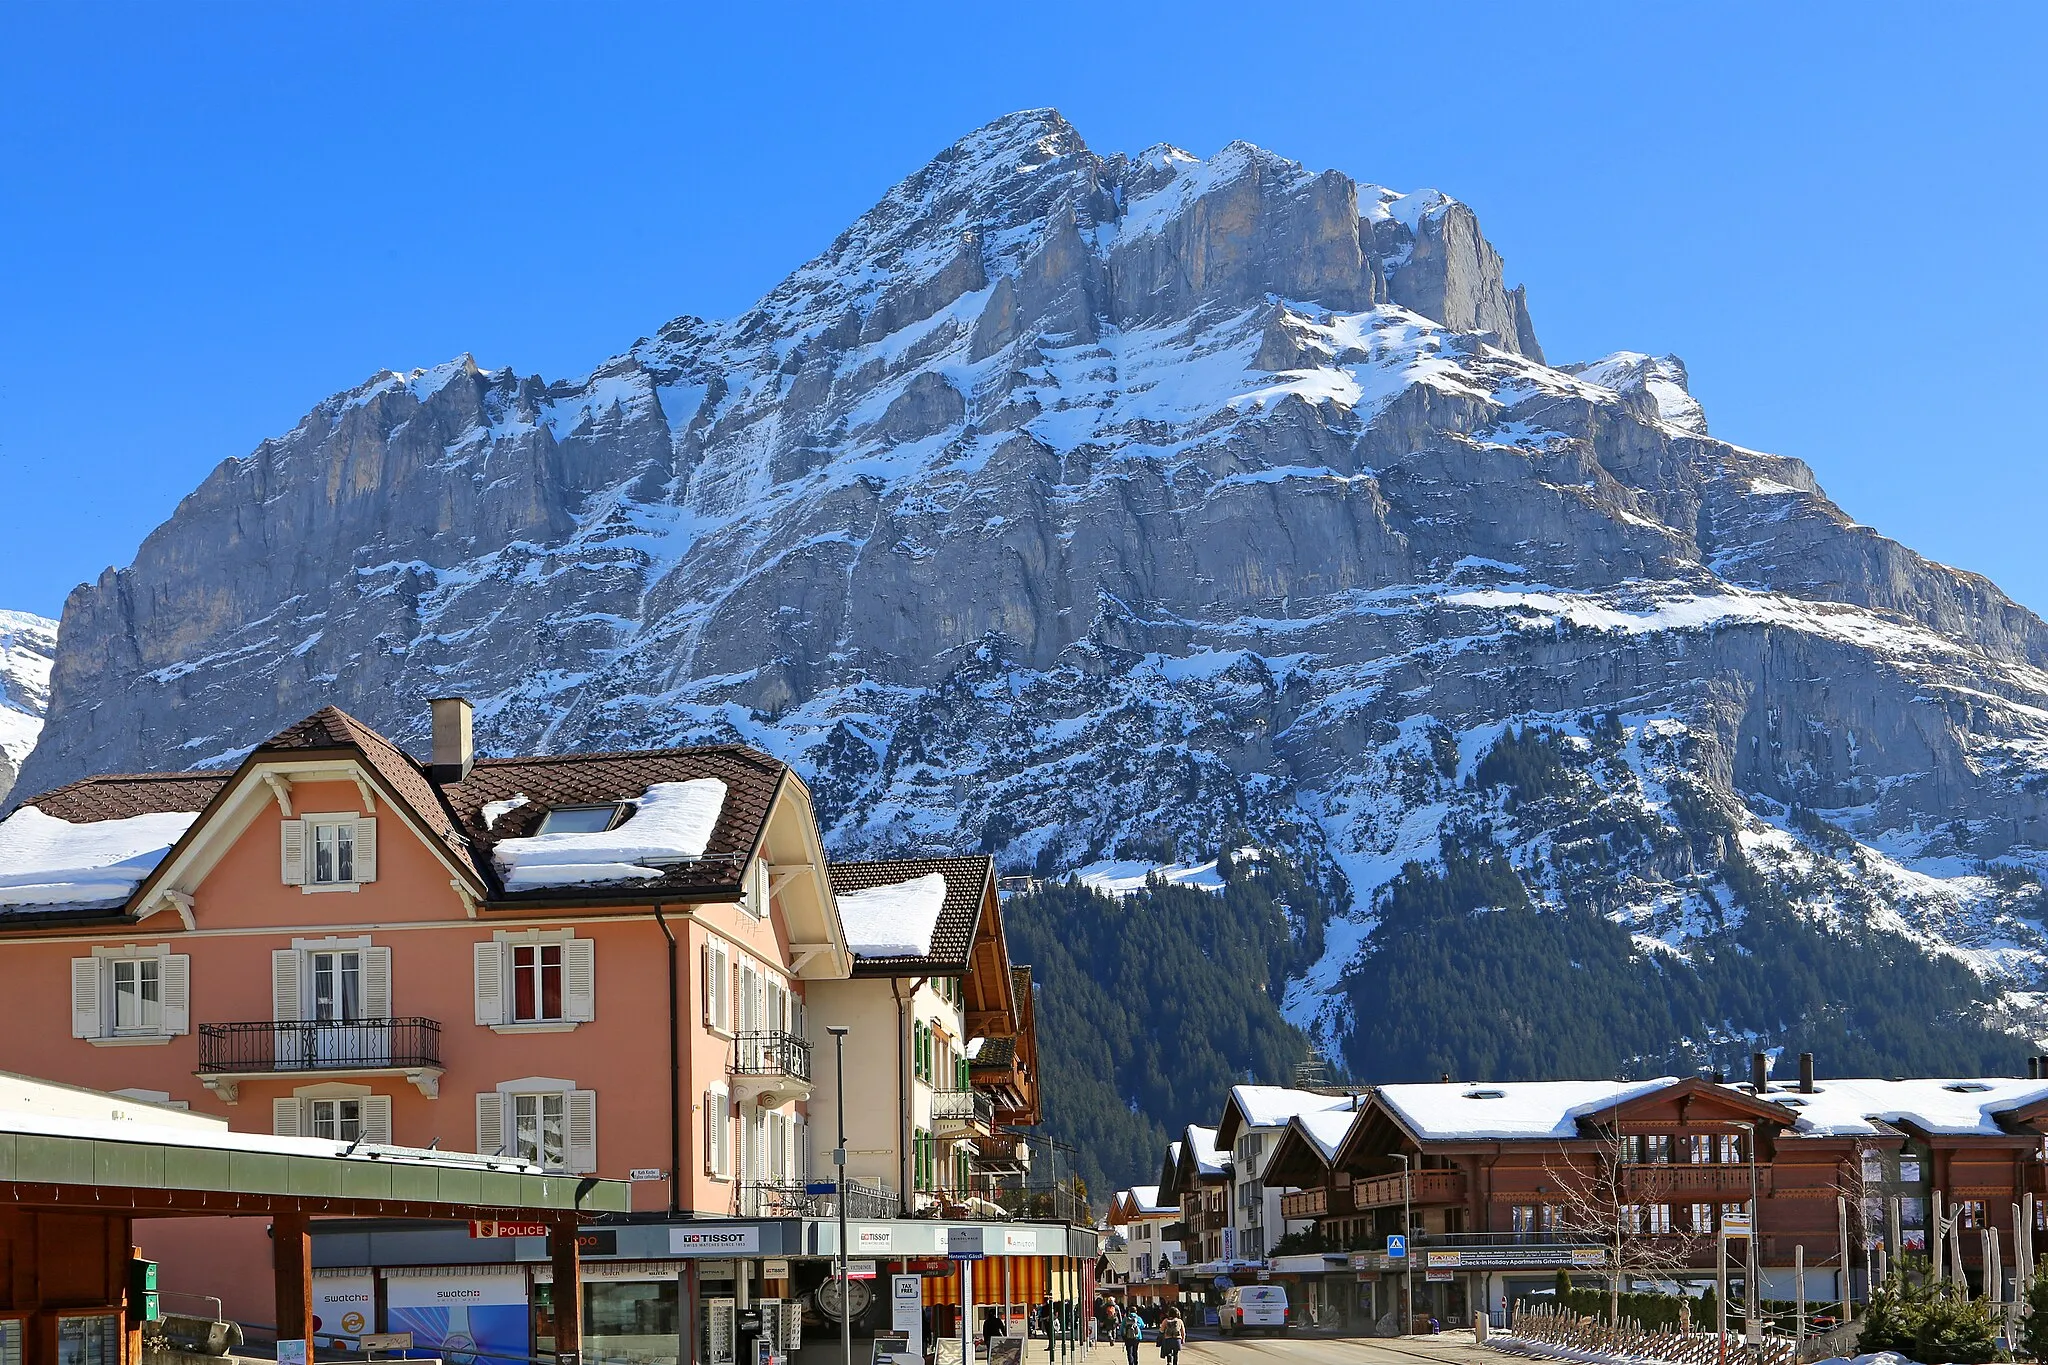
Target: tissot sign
(714,1242)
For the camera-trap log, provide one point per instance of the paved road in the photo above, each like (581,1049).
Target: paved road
(1452,1348)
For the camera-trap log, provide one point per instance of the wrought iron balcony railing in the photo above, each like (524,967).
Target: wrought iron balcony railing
(964,1108)
(768,1052)
(299,1045)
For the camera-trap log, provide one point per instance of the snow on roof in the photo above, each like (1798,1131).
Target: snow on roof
(1145,1199)
(45,861)
(895,920)
(27,1106)
(1508,1109)
(671,823)
(1270,1106)
(1847,1108)
(1327,1128)
(1201,1144)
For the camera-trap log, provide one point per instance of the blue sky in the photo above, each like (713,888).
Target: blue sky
(212,216)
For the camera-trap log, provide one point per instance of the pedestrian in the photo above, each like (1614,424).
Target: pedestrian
(1172,1332)
(1133,1333)
(992,1325)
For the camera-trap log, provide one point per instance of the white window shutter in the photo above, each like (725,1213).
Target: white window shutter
(284,1117)
(490,1122)
(582,1151)
(490,982)
(710,1132)
(579,980)
(284,984)
(377,1119)
(366,849)
(85,997)
(177,988)
(709,976)
(376,983)
(293,852)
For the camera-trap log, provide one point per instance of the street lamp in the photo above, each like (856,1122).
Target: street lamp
(838,1032)
(1408,1251)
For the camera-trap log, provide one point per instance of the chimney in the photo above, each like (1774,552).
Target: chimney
(453,752)
(2033,1068)
(1720,1076)
(1759,1063)
(1806,1073)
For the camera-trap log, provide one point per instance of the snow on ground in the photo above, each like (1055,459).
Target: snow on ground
(670,823)
(896,920)
(45,861)
(1124,877)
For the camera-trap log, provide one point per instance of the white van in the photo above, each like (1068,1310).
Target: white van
(1249,1307)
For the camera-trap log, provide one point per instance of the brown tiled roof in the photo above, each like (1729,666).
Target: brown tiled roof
(996,1054)
(453,811)
(967,882)
(333,728)
(116,796)
(751,780)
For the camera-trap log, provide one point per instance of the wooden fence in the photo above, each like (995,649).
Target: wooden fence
(1544,1326)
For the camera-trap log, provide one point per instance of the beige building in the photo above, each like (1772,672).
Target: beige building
(932,996)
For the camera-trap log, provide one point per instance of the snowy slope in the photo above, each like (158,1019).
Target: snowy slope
(1080,507)
(27,643)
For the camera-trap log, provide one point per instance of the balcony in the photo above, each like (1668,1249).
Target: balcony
(782,1199)
(1305,1203)
(770,1068)
(232,1053)
(1002,1155)
(963,1113)
(1660,1183)
(1430,1188)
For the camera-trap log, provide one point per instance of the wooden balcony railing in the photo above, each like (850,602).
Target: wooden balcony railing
(1429,1188)
(1656,1183)
(1305,1203)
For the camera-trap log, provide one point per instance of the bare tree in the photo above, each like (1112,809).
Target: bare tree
(1629,1207)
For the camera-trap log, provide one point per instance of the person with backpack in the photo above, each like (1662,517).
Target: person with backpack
(1173,1333)
(1133,1332)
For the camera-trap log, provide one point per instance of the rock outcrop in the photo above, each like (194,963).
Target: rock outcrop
(1073,505)
(26,643)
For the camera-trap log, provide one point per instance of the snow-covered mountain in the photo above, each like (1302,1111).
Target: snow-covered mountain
(1084,507)
(27,643)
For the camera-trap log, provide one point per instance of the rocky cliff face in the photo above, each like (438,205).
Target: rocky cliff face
(26,643)
(1073,506)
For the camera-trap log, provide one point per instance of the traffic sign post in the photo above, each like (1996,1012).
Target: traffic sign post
(1397,1247)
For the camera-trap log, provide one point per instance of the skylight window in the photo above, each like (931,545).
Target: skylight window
(1967,1087)
(1486,1094)
(582,819)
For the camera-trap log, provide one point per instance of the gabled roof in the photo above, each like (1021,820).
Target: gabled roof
(1270,1106)
(969,882)
(1308,1146)
(517,791)
(1868,1108)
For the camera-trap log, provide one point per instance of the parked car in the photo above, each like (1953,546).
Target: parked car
(1250,1307)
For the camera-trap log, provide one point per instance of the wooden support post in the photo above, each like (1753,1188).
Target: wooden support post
(291,1263)
(568,1292)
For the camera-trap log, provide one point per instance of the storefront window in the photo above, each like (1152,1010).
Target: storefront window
(10,1341)
(93,1340)
(633,1320)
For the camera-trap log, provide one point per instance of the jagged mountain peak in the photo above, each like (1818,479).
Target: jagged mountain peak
(1662,379)
(1074,507)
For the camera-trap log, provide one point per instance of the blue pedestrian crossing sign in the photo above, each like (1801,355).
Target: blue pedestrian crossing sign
(1397,1247)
